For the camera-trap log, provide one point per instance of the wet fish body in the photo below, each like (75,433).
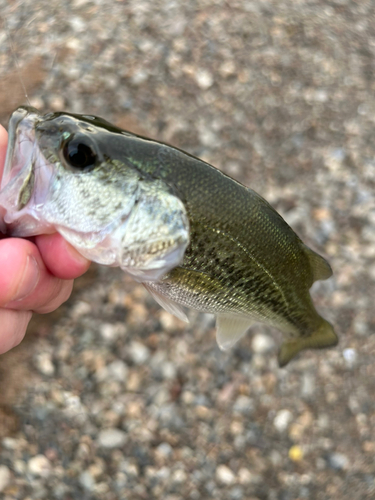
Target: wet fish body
(192,235)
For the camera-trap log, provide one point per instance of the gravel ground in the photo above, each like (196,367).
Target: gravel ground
(112,398)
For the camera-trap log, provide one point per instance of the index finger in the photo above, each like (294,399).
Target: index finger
(3,148)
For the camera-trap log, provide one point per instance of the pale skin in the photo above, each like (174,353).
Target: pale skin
(34,276)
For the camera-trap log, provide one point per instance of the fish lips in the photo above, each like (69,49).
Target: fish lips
(23,187)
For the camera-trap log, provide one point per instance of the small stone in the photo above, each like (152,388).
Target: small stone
(282,420)
(139,353)
(244,476)
(308,385)
(295,453)
(236,493)
(10,443)
(19,467)
(262,344)
(97,468)
(57,103)
(227,68)
(77,24)
(130,469)
(338,461)
(168,370)
(204,79)
(244,405)
(164,449)
(111,332)
(4,477)
(350,356)
(36,102)
(118,370)
(111,438)
(139,76)
(179,476)
(168,321)
(79,3)
(80,309)
(39,466)
(224,475)
(44,364)
(86,480)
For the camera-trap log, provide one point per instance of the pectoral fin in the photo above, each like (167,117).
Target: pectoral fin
(323,337)
(230,329)
(167,304)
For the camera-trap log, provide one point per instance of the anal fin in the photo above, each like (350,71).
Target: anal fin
(167,304)
(323,337)
(230,329)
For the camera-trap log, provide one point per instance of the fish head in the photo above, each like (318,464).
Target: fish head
(71,174)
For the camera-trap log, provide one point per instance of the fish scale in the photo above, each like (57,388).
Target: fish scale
(191,234)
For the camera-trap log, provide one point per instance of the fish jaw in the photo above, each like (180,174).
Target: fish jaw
(24,187)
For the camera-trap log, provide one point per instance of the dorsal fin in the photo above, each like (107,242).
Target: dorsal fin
(320,267)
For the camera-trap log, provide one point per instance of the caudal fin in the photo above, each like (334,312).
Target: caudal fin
(324,336)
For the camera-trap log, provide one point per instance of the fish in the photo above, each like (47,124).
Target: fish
(192,235)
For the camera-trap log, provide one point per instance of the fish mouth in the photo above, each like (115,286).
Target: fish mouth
(18,193)
(21,139)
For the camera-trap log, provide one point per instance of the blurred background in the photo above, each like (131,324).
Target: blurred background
(112,398)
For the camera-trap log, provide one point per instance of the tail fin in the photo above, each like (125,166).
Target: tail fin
(324,336)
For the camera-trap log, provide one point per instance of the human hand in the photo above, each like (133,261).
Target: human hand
(34,276)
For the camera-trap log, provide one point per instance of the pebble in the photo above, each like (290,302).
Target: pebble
(338,461)
(86,480)
(10,443)
(5,477)
(39,466)
(164,449)
(111,438)
(138,352)
(282,420)
(111,332)
(179,476)
(308,385)
(168,370)
(118,370)
(245,476)
(262,344)
(295,453)
(236,493)
(44,364)
(243,404)
(350,356)
(130,469)
(204,79)
(225,475)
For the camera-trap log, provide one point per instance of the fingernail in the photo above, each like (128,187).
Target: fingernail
(29,279)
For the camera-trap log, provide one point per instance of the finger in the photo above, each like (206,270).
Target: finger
(13,328)
(3,148)
(25,282)
(60,258)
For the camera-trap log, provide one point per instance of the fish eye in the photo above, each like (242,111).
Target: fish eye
(79,154)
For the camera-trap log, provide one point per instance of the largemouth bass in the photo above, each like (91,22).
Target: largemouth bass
(192,235)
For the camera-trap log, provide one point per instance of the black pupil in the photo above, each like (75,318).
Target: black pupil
(79,155)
